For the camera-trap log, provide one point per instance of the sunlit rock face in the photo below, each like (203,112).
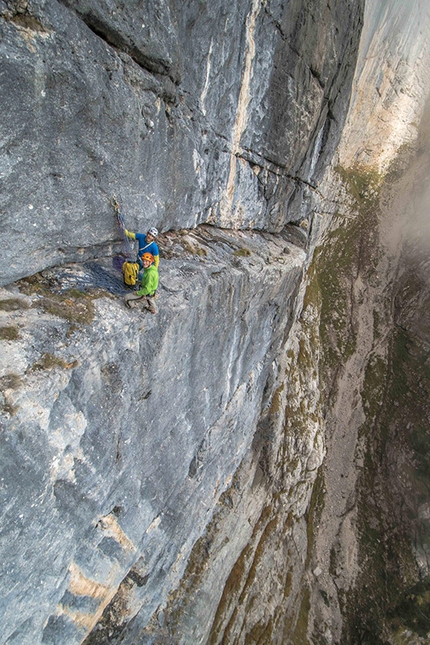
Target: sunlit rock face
(390,87)
(208,112)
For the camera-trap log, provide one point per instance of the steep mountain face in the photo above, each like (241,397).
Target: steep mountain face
(226,471)
(370,551)
(203,112)
(390,598)
(370,548)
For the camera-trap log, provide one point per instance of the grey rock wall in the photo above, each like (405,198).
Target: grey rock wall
(119,435)
(391,84)
(189,113)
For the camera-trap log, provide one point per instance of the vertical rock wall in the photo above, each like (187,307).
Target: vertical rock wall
(120,432)
(369,577)
(390,87)
(189,113)
(355,386)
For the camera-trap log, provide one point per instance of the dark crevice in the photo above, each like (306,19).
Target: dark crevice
(317,77)
(276,168)
(115,40)
(284,38)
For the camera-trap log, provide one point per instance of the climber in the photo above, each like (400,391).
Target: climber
(146,294)
(146,244)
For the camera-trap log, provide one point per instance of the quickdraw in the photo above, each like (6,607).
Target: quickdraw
(119,215)
(128,252)
(114,202)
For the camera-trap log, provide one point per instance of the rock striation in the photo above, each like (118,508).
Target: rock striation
(206,113)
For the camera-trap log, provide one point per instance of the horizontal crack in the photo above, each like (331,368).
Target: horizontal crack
(272,167)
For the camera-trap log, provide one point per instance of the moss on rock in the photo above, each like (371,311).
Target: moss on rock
(10,332)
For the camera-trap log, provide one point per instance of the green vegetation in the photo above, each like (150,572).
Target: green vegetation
(316,508)
(413,610)
(76,309)
(349,250)
(9,333)
(399,163)
(374,385)
(387,598)
(275,403)
(73,305)
(390,596)
(242,253)
(49,361)
(261,633)
(410,391)
(241,579)
(363,184)
(194,249)
(10,381)
(299,636)
(13,304)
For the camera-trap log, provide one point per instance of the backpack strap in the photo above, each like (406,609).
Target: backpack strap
(141,252)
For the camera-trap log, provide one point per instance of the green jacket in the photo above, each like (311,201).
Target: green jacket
(149,281)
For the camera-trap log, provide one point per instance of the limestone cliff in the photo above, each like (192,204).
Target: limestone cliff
(370,547)
(203,475)
(204,113)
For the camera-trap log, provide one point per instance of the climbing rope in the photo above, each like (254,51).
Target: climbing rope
(127,246)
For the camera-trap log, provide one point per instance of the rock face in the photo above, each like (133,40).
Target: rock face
(370,545)
(390,86)
(373,281)
(203,475)
(124,431)
(207,113)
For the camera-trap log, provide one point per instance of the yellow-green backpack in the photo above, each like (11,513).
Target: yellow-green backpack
(130,271)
